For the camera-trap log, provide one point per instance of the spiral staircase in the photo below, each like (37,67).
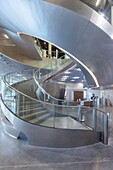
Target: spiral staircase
(74,28)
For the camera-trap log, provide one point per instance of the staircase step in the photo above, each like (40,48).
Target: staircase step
(28,111)
(32,102)
(34,115)
(64,123)
(25,107)
(41,118)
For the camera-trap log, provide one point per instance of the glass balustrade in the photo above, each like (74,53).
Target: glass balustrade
(52,115)
(43,74)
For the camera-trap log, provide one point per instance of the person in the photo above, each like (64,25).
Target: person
(93,96)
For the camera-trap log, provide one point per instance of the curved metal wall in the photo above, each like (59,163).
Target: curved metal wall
(52,137)
(71,25)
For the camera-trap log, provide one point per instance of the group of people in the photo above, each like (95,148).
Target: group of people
(102,101)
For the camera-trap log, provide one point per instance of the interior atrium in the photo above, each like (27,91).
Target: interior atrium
(56,84)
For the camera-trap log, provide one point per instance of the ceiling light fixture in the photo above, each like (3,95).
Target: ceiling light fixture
(76,77)
(67,72)
(78,69)
(97,3)
(65,76)
(6,36)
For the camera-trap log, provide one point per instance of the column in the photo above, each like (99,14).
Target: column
(111,15)
(49,50)
(43,53)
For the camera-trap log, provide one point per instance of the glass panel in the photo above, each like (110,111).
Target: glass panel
(48,111)
(99,120)
(44,73)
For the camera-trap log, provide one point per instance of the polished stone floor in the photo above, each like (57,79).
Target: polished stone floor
(17,155)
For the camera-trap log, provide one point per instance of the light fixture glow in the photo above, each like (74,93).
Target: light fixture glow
(76,77)
(6,36)
(97,3)
(62,80)
(78,69)
(65,76)
(67,72)
(112,37)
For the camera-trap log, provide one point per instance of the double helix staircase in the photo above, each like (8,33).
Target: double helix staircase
(43,122)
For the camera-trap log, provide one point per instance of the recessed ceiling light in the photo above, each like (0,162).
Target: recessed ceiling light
(72,80)
(6,36)
(62,80)
(78,69)
(65,76)
(97,3)
(18,74)
(76,77)
(67,72)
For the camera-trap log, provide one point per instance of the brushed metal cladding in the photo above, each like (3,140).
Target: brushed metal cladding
(9,129)
(25,45)
(75,6)
(98,53)
(71,25)
(51,137)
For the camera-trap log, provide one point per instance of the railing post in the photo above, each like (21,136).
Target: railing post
(54,114)
(80,115)
(44,96)
(94,119)
(79,112)
(106,118)
(17,103)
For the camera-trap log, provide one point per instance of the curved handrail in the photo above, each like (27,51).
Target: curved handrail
(40,79)
(76,112)
(49,106)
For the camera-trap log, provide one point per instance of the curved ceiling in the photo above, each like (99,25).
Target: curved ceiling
(70,25)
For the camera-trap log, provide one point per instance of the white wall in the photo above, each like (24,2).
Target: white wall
(105,94)
(70,88)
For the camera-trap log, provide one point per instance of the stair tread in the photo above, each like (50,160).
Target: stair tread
(33,114)
(63,122)
(25,104)
(30,109)
(39,118)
